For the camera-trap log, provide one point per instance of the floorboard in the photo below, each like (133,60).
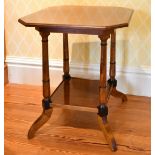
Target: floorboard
(73,131)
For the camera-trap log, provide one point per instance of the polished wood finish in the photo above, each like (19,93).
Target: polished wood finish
(86,16)
(45,65)
(112,71)
(5,73)
(79,19)
(97,20)
(44,117)
(5,64)
(105,127)
(65,56)
(118,94)
(46,114)
(103,69)
(74,131)
(103,96)
(76,92)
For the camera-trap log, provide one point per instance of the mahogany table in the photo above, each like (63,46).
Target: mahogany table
(92,20)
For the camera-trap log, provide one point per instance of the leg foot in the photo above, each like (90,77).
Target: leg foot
(44,117)
(103,123)
(112,81)
(46,102)
(103,95)
(118,94)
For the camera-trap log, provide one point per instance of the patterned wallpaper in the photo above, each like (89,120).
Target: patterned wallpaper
(133,43)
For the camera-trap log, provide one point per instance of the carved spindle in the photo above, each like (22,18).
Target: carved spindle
(46,102)
(112,73)
(45,70)
(103,69)
(102,108)
(65,56)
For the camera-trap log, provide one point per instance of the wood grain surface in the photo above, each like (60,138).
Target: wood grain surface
(103,17)
(77,92)
(72,131)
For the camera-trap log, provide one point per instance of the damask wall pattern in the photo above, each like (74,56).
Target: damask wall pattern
(133,43)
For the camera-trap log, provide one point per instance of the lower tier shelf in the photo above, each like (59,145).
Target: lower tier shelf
(77,92)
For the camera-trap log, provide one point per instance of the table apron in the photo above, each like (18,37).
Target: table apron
(88,31)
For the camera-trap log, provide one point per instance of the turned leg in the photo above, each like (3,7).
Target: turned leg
(112,81)
(65,57)
(66,75)
(46,102)
(103,96)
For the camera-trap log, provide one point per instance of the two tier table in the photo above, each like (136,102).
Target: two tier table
(91,20)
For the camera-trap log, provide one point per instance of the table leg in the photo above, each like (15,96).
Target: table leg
(112,81)
(66,75)
(103,96)
(65,57)
(46,102)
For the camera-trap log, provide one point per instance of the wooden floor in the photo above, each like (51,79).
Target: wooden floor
(73,131)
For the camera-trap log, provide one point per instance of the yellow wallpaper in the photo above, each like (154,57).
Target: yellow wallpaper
(133,43)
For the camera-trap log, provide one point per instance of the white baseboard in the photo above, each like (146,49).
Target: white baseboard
(135,81)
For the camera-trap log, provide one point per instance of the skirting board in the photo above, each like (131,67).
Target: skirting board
(134,81)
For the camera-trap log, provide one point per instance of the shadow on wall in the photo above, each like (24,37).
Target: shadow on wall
(85,53)
(85,57)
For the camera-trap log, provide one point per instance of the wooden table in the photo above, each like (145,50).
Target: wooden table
(91,20)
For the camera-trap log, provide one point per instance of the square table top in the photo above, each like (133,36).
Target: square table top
(79,17)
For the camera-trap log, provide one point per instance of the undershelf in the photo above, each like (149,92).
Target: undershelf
(77,92)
